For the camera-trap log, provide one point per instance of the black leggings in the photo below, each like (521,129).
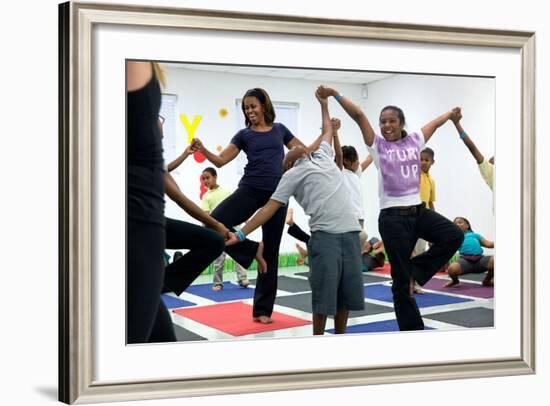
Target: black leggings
(148,319)
(236,209)
(400,228)
(295,231)
(204,246)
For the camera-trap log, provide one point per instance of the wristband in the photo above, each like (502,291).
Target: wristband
(338,97)
(240,235)
(462,135)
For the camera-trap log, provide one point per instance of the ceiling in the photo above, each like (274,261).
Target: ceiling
(289,73)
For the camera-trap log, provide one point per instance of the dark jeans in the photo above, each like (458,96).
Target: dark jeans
(148,319)
(204,246)
(295,231)
(235,210)
(400,228)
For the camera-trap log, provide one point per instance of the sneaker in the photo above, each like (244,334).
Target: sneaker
(217,288)
(244,283)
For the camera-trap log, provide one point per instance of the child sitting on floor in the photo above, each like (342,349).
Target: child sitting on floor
(471,258)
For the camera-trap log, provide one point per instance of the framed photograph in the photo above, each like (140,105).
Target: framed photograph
(426,65)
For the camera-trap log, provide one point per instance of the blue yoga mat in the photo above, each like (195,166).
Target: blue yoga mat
(383,293)
(229,292)
(376,327)
(172,302)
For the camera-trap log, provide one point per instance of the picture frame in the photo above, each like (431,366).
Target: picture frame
(77,349)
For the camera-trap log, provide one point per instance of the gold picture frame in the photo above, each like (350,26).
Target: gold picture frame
(76,350)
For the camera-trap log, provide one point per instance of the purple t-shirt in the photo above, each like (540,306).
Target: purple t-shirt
(265,153)
(398,166)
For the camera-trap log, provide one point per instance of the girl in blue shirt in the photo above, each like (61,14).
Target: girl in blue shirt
(471,258)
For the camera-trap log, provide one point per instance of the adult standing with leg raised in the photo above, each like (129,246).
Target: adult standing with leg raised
(263,140)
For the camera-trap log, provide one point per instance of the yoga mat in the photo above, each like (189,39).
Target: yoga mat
(463,288)
(172,302)
(236,318)
(229,292)
(186,335)
(302,302)
(290,284)
(367,277)
(478,277)
(383,293)
(475,317)
(370,278)
(376,327)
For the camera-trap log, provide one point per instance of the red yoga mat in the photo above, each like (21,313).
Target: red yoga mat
(235,318)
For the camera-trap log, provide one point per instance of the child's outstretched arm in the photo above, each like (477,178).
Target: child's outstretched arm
(339,156)
(478,156)
(365,164)
(179,160)
(326,130)
(429,129)
(259,219)
(353,110)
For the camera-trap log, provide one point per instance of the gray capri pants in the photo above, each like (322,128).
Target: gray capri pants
(335,272)
(479,266)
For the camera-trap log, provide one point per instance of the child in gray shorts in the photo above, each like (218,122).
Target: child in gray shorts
(312,177)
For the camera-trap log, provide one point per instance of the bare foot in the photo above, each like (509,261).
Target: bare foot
(452,282)
(417,289)
(263,319)
(289,220)
(262,265)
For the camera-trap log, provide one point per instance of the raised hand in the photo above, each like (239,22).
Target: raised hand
(456,114)
(326,91)
(335,123)
(322,100)
(189,150)
(197,145)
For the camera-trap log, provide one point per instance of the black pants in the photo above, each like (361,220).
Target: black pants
(400,228)
(204,246)
(148,319)
(296,232)
(236,209)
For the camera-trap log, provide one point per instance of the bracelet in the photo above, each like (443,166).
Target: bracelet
(338,97)
(240,235)
(462,135)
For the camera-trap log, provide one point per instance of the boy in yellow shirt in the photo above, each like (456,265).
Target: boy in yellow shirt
(427,195)
(210,200)
(427,183)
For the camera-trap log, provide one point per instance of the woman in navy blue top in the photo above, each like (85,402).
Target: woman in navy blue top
(263,141)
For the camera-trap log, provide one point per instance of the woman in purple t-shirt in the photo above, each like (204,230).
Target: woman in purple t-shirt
(403,217)
(263,141)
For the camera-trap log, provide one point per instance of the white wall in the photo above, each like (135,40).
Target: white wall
(29,249)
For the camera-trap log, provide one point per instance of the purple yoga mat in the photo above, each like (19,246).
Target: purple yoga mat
(463,288)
